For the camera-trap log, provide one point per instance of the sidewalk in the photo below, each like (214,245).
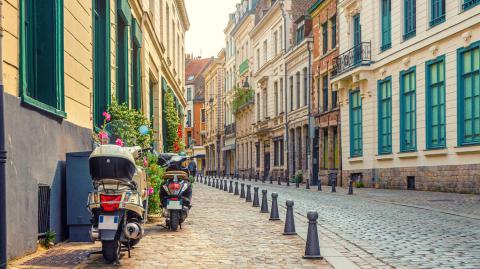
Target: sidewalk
(222,231)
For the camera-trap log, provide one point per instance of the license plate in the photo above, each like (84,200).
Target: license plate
(107,222)
(174,204)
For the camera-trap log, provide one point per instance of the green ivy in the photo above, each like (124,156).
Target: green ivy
(172,121)
(155,177)
(241,97)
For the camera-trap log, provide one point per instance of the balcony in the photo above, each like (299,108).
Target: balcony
(359,55)
(243,68)
(230,129)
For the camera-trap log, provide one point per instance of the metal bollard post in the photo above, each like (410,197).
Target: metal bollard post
(312,246)
(288,181)
(249,195)
(236,188)
(225,185)
(216,184)
(221,184)
(264,208)
(319,183)
(271,182)
(274,213)
(230,189)
(209,182)
(307,184)
(255,197)
(350,187)
(279,181)
(289,220)
(242,190)
(263,179)
(257,177)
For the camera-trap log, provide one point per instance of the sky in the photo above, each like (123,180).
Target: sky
(208,19)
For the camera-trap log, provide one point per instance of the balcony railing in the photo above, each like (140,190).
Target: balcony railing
(360,54)
(230,129)
(243,67)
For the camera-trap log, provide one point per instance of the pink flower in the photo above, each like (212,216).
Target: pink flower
(102,135)
(106,116)
(119,142)
(150,191)
(145,162)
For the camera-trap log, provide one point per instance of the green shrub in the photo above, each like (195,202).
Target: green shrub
(49,239)
(359,184)
(155,178)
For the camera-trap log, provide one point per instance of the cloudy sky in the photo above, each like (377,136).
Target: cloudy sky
(208,19)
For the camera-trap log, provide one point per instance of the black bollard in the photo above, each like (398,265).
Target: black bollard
(236,188)
(333,186)
(256,203)
(264,208)
(201,181)
(279,181)
(221,184)
(230,190)
(297,184)
(307,184)
(205,180)
(242,190)
(209,182)
(225,185)
(257,177)
(271,182)
(249,195)
(312,247)
(216,184)
(350,188)
(319,183)
(274,213)
(288,182)
(289,220)
(263,179)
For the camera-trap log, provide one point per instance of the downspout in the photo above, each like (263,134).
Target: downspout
(310,125)
(285,90)
(3,159)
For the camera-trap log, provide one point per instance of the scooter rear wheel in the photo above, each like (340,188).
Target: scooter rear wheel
(111,249)
(174,220)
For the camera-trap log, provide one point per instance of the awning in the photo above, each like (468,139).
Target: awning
(229,147)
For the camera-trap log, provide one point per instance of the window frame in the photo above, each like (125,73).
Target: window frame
(461,95)
(428,103)
(59,110)
(436,19)
(384,149)
(124,14)
(386,42)
(409,33)
(353,151)
(324,37)
(403,146)
(333,21)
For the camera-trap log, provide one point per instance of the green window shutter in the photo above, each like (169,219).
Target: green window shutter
(101,60)
(409,18)
(122,59)
(469,95)
(386,25)
(150,102)
(123,9)
(356,140)
(136,65)
(435,103)
(385,116)
(437,12)
(408,132)
(164,113)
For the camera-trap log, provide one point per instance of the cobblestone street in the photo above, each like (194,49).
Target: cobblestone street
(393,228)
(222,232)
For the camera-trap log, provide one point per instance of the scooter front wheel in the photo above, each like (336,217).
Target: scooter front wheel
(111,249)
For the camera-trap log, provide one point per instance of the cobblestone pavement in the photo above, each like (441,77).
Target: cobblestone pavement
(402,232)
(222,231)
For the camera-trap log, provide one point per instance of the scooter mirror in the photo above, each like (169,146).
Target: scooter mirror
(143,130)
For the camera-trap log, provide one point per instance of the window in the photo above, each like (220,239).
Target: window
(469,95)
(258,59)
(325,37)
(435,94)
(298,96)
(408,132)
(265,104)
(275,152)
(356,142)
(291,93)
(258,106)
(325,93)
(189,139)
(275,43)
(300,34)
(325,149)
(41,55)
(437,12)
(189,118)
(189,94)
(265,52)
(203,115)
(275,91)
(334,99)
(305,86)
(150,101)
(123,21)
(410,26)
(101,56)
(257,153)
(136,66)
(385,116)
(335,149)
(281,152)
(386,25)
(333,22)
(468,4)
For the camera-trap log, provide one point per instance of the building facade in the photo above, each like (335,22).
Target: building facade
(59,85)
(407,77)
(214,105)
(324,102)
(195,114)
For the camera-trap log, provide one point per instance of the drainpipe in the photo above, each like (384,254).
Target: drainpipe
(285,89)
(3,160)
(310,125)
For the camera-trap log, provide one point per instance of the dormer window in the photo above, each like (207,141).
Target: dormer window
(300,32)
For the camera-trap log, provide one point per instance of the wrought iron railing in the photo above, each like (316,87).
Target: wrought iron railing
(230,129)
(360,54)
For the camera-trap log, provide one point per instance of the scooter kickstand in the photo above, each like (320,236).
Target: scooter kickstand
(128,248)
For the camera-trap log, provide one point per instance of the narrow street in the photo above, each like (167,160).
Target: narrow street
(223,231)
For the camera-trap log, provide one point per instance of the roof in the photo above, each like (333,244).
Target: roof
(195,67)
